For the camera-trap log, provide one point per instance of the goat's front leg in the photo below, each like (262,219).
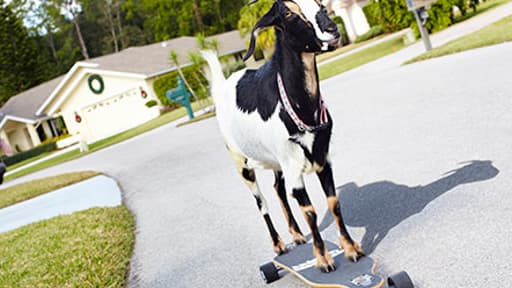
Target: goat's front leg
(293,227)
(351,248)
(295,184)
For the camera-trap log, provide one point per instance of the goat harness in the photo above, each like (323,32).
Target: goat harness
(323,118)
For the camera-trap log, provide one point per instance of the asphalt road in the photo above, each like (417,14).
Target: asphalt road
(422,161)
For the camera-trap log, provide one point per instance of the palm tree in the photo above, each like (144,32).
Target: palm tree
(174,58)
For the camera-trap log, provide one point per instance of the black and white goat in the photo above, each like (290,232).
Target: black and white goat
(275,118)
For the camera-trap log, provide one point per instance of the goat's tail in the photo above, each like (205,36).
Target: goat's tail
(216,74)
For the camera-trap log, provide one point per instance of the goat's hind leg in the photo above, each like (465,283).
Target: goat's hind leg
(249,177)
(293,227)
(351,248)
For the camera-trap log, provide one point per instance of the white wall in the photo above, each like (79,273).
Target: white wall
(118,108)
(20,137)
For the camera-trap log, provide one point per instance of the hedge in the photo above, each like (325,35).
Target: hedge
(393,15)
(341,28)
(36,151)
(170,81)
(373,32)
(194,77)
(151,103)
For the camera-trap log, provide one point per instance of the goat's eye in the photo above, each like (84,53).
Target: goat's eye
(288,14)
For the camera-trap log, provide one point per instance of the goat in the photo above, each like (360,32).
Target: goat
(274,118)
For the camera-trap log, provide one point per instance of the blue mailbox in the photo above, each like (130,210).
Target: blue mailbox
(181,95)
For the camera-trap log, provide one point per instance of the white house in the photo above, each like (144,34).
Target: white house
(352,14)
(100,97)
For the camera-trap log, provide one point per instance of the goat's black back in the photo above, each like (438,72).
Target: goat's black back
(257,90)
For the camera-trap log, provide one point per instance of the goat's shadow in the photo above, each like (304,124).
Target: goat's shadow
(380,206)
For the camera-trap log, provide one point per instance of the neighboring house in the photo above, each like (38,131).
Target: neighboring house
(352,14)
(99,97)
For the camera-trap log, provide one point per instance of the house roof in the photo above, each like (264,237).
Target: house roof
(154,59)
(150,60)
(25,104)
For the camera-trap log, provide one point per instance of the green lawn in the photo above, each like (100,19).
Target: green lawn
(198,118)
(91,248)
(345,49)
(163,119)
(495,33)
(359,58)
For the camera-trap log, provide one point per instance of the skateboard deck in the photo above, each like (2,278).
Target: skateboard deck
(299,260)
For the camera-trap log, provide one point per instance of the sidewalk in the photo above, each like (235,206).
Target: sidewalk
(99,191)
(400,33)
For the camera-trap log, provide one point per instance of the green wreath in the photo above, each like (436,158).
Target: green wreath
(96,77)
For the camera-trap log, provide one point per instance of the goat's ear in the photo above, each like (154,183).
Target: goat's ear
(268,20)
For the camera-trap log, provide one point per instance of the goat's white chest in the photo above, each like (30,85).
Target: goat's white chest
(266,144)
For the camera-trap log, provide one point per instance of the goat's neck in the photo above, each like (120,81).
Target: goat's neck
(310,74)
(300,77)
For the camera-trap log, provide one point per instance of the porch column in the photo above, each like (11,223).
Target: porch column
(7,142)
(47,129)
(33,135)
(361,25)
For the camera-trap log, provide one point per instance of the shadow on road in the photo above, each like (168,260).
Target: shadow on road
(380,206)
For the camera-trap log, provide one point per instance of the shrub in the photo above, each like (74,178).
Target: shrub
(392,15)
(373,32)
(21,156)
(151,103)
(341,27)
(55,139)
(230,67)
(169,81)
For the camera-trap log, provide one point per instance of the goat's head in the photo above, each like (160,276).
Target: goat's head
(304,23)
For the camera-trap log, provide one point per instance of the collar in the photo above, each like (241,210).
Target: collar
(323,118)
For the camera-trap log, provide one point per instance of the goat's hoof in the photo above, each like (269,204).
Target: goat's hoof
(299,239)
(352,252)
(280,247)
(325,263)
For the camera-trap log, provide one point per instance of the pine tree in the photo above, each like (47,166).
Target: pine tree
(19,62)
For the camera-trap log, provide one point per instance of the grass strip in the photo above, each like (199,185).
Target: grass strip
(25,191)
(91,248)
(198,118)
(498,32)
(359,58)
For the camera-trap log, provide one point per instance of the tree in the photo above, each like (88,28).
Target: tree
(174,58)
(19,62)
(249,15)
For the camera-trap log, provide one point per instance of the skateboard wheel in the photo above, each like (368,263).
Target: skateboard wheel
(400,280)
(269,272)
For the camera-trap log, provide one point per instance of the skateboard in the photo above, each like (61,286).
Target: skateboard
(300,262)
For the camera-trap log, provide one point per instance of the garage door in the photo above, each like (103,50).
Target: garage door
(113,115)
